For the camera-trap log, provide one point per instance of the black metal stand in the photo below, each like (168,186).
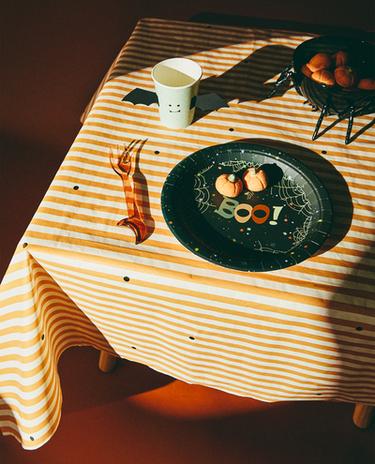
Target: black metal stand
(285,75)
(289,74)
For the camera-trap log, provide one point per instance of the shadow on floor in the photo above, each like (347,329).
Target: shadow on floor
(136,415)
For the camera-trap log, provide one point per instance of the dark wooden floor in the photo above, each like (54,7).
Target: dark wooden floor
(138,416)
(53,56)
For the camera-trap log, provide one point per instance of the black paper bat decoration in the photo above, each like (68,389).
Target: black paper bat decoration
(206,102)
(141,97)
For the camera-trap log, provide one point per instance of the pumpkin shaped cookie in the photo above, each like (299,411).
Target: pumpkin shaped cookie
(254,180)
(229,185)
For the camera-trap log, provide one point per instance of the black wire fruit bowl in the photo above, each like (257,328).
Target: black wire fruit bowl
(333,99)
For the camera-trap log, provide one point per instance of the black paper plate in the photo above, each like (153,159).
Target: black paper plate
(273,229)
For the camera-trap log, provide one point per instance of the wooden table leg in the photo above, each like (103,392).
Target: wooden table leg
(107,361)
(362,415)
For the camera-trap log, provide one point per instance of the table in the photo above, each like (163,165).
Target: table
(306,332)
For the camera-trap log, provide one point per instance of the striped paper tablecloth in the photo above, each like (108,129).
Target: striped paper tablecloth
(302,333)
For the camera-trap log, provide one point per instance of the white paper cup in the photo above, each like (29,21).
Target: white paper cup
(176,84)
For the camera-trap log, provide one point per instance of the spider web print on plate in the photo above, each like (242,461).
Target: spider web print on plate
(301,233)
(298,235)
(202,194)
(294,196)
(238,165)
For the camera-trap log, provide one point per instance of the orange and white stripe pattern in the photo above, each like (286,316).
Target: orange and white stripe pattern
(305,332)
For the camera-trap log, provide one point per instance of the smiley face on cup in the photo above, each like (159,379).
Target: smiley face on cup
(176,110)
